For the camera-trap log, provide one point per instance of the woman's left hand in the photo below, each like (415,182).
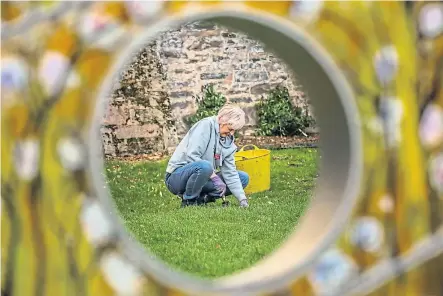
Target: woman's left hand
(219,184)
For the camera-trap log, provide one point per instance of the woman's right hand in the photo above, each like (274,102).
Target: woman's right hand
(244,203)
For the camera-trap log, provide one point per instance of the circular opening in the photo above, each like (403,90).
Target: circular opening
(340,167)
(183,75)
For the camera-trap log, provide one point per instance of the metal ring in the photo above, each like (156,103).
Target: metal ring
(370,219)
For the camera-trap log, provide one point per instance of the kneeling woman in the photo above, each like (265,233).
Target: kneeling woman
(202,167)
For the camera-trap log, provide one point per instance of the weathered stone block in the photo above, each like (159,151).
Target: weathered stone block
(250,115)
(262,88)
(173,54)
(116,115)
(122,149)
(184,107)
(181,94)
(216,43)
(149,115)
(234,91)
(182,128)
(198,44)
(237,100)
(201,33)
(210,76)
(214,67)
(235,48)
(272,66)
(248,76)
(241,86)
(169,139)
(143,145)
(153,102)
(203,25)
(228,34)
(170,41)
(109,150)
(228,80)
(137,131)
(174,85)
(251,66)
(258,56)
(219,58)
(117,101)
(256,48)
(156,84)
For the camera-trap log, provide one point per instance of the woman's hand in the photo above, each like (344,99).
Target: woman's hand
(219,184)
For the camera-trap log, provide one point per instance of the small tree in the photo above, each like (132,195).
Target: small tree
(278,117)
(208,104)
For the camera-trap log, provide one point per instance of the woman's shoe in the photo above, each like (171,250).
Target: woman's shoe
(199,201)
(208,199)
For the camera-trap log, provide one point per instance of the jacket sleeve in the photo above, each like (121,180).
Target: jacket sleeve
(231,177)
(198,141)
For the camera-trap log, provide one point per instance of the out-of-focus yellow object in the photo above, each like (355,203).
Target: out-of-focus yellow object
(257,163)
(58,236)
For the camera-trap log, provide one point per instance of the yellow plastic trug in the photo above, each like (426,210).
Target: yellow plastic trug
(257,163)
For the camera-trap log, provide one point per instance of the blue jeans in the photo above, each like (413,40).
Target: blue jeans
(193,180)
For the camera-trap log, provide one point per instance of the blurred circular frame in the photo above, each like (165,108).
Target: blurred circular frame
(341,164)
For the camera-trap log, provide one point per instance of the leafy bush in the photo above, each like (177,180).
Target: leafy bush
(208,104)
(278,117)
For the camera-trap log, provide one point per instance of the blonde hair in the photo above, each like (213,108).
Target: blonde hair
(232,115)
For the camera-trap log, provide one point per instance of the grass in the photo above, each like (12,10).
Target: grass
(212,241)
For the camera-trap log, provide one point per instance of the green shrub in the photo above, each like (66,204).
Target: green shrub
(208,104)
(277,116)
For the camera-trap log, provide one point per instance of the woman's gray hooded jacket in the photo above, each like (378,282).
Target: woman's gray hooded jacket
(203,142)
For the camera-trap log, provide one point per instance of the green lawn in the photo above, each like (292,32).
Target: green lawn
(212,241)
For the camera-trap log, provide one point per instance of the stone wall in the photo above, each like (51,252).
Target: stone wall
(138,119)
(156,93)
(238,66)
